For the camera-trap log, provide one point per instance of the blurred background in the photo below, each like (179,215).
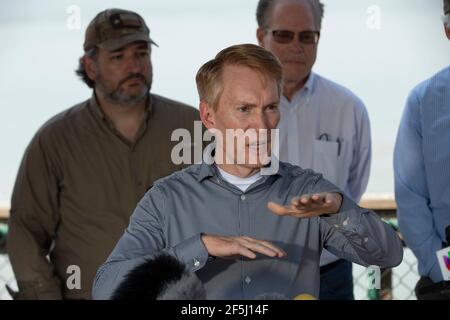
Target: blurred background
(378,49)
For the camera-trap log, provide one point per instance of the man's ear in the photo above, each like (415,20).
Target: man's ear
(89,67)
(447,30)
(207,115)
(260,36)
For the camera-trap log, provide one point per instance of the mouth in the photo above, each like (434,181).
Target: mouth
(134,81)
(257,145)
(294,61)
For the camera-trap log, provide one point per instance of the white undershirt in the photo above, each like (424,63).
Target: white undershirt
(241,183)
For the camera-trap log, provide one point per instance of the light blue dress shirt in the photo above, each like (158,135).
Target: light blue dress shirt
(326,127)
(422,171)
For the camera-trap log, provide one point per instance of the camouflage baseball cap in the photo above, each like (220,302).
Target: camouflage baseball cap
(446,6)
(114,28)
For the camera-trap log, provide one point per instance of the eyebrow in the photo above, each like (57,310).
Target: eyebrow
(252,105)
(247,104)
(274,103)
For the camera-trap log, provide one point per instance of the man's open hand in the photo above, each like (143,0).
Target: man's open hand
(308,206)
(234,247)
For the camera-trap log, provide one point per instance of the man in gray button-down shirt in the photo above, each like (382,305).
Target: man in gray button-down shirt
(267,238)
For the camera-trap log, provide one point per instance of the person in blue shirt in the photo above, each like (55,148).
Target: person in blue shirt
(422,175)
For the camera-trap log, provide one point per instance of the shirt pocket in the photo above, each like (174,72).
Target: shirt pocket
(325,159)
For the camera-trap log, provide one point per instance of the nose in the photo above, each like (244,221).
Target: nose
(296,45)
(134,64)
(260,121)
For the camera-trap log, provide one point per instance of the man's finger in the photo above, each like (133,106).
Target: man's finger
(305,199)
(260,248)
(279,252)
(318,198)
(256,246)
(329,198)
(245,252)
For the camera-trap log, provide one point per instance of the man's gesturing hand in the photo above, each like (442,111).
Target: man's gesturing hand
(308,206)
(233,247)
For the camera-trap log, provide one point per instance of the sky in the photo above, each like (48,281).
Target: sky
(378,49)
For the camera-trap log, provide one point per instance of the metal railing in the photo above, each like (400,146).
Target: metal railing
(396,283)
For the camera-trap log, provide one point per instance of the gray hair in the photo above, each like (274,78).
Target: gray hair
(265,6)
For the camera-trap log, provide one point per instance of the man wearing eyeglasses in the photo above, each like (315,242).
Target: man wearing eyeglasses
(323,125)
(422,175)
(86,168)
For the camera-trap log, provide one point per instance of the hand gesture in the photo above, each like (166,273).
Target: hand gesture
(308,206)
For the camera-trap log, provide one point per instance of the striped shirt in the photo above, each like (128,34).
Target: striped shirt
(422,171)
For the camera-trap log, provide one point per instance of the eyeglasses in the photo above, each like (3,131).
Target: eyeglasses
(285,36)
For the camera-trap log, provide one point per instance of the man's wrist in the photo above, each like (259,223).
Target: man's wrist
(211,258)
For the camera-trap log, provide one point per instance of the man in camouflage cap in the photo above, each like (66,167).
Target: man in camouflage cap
(86,168)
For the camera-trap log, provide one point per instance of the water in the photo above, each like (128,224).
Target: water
(39,53)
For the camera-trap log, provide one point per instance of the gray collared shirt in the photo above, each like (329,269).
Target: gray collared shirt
(172,215)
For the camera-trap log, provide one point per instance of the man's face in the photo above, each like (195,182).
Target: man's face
(297,58)
(249,101)
(124,76)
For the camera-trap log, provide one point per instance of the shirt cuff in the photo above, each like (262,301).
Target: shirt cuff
(192,253)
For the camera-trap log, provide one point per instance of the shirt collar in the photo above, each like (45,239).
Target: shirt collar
(307,89)
(208,170)
(309,85)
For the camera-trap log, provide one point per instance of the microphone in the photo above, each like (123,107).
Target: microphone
(270,296)
(161,278)
(279,296)
(443,256)
(164,277)
(305,296)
